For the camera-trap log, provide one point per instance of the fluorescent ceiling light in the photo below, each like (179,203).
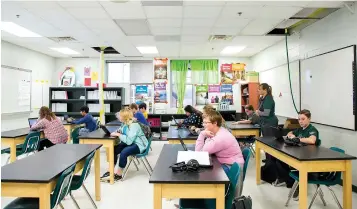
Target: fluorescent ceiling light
(147,49)
(17,30)
(232,49)
(65,50)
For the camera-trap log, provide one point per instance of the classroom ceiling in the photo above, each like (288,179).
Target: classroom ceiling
(177,28)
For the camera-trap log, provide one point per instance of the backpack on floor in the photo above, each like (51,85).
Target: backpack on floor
(268,172)
(242,202)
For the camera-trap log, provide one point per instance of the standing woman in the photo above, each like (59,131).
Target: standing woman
(55,133)
(266,109)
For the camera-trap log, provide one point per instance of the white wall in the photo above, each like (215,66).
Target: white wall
(42,67)
(335,31)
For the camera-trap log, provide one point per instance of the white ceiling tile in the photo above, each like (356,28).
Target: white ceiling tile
(165,22)
(225,31)
(99,23)
(231,22)
(39,5)
(81,4)
(260,26)
(278,12)
(168,49)
(271,12)
(244,3)
(203,3)
(248,12)
(191,49)
(165,30)
(163,12)
(196,30)
(194,39)
(325,4)
(200,22)
(134,27)
(88,13)
(202,12)
(128,10)
(142,40)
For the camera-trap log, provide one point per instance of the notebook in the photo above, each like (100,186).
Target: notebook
(202,157)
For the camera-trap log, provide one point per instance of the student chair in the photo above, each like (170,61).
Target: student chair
(30,145)
(246,156)
(211,203)
(98,124)
(143,159)
(61,190)
(75,135)
(332,179)
(78,180)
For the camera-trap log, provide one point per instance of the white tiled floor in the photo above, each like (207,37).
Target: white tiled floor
(136,192)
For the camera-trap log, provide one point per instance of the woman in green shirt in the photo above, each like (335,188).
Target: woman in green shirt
(266,109)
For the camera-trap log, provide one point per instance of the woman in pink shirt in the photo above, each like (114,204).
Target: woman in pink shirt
(55,133)
(220,142)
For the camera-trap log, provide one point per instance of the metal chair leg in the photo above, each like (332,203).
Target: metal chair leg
(8,160)
(315,195)
(90,198)
(150,148)
(74,201)
(137,168)
(334,197)
(321,194)
(61,206)
(146,160)
(145,167)
(296,184)
(252,150)
(126,169)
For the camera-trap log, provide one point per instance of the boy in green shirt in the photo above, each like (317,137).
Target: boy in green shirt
(253,118)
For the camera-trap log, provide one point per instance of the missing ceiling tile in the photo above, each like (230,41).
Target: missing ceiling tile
(162,3)
(108,50)
(168,38)
(134,27)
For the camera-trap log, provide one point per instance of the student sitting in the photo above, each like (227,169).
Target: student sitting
(253,118)
(142,109)
(132,142)
(194,117)
(307,134)
(53,128)
(220,142)
(88,120)
(138,115)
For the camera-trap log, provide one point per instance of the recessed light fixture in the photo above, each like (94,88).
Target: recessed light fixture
(65,50)
(147,49)
(17,30)
(232,49)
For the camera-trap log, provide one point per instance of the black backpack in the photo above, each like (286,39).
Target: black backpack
(242,202)
(146,130)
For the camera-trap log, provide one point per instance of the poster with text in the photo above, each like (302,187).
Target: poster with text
(201,94)
(227,93)
(214,93)
(160,92)
(160,68)
(141,93)
(232,73)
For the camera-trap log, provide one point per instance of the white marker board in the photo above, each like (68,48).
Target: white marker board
(15,90)
(328,85)
(278,79)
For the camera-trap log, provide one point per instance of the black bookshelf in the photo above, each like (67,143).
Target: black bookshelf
(74,103)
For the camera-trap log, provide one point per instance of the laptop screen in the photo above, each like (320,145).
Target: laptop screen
(32,121)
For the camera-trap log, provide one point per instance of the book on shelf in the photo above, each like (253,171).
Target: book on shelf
(59,95)
(113,95)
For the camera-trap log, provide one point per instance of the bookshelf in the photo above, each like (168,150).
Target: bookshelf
(69,100)
(249,95)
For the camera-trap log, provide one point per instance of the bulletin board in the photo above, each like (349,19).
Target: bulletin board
(15,90)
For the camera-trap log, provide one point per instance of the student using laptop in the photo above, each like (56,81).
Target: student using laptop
(142,109)
(253,118)
(219,141)
(54,131)
(307,134)
(132,142)
(194,117)
(88,120)
(138,115)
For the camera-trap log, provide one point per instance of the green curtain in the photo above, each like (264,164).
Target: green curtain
(179,70)
(204,71)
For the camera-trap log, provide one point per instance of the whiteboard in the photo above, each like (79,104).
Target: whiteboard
(278,79)
(327,87)
(15,90)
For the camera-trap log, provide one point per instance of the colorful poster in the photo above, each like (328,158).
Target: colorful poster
(232,73)
(227,88)
(141,93)
(160,68)
(86,71)
(201,94)
(94,76)
(214,88)
(87,81)
(160,92)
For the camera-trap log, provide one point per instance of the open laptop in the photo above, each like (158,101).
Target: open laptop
(182,143)
(177,124)
(32,121)
(278,134)
(106,131)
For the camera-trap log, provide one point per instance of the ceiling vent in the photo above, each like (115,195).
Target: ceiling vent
(213,38)
(81,57)
(167,38)
(108,50)
(62,39)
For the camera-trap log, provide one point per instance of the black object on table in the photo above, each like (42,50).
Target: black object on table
(175,134)
(163,173)
(46,165)
(100,134)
